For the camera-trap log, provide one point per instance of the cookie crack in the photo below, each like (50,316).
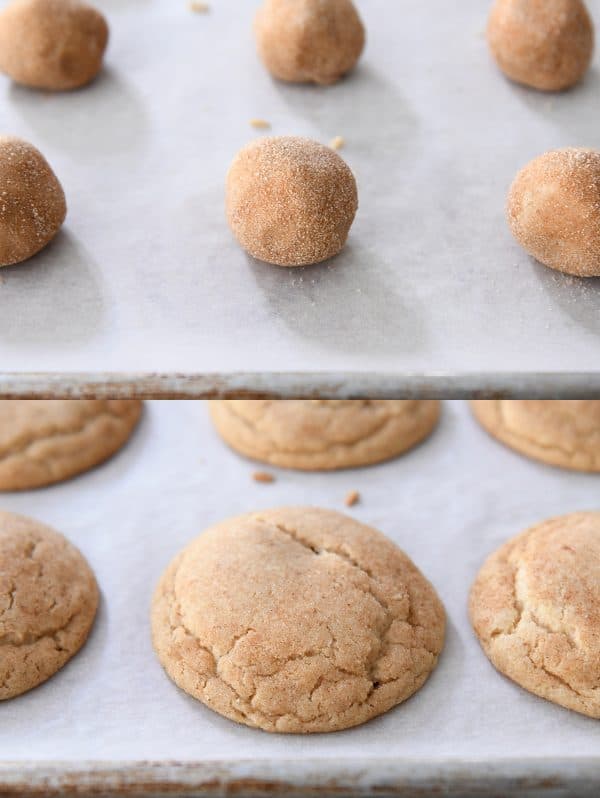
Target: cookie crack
(328,445)
(22,449)
(29,639)
(547,447)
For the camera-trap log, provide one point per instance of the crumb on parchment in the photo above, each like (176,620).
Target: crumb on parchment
(352,498)
(260,124)
(263,476)
(337,143)
(199,7)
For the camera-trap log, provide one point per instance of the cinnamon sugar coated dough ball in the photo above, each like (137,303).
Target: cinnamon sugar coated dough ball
(535,607)
(296,620)
(323,435)
(290,201)
(554,210)
(48,602)
(52,44)
(32,201)
(546,44)
(309,41)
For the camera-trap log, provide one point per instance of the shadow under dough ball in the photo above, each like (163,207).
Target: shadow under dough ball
(545,44)
(48,602)
(554,210)
(32,201)
(52,44)
(297,620)
(290,201)
(309,41)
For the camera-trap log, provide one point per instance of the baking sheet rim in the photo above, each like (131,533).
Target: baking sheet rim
(318,776)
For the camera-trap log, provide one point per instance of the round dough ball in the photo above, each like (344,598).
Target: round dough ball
(535,607)
(322,435)
(309,41)
(296,620)
(554,210)
(47,441)
(290,200)
(32,201)
(546,44)
(564,433)
(48,602)
(52,44)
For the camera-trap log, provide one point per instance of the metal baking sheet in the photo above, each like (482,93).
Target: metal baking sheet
(448,503)
(146,278)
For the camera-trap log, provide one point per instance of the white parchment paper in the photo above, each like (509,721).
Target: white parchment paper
(449,503)
(146,275)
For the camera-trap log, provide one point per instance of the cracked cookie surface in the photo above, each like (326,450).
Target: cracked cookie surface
(46,441)
(535,607)
(296,620)
(48,601)
(564,433)
(323,435)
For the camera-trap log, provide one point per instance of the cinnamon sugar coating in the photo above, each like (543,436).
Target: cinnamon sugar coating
(545,44)
(309,41)
(296,620)
(290,200)
(52,44)
(554,210)
(32,201)
(535,607)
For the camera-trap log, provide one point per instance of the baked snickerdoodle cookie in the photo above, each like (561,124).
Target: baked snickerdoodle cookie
(323,435)
(309,41)
(535,607)
(546,44)
(563,433)
(553,211)
(296,620)
(48,601)
(52,44)
(46,441)
(32,201)
(290,200)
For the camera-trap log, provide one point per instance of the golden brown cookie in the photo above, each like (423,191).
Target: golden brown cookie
(553,212)
(52,44)
(32,201)
(309,41)
(535,607)
(563,433)
(48,601)
(46,441)
(296,620)
(290,201)
(546,44)
(323,435)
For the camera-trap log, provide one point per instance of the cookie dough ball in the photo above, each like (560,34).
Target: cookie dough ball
(564,433)
(554,210)
(321,435)
(48,601)
(46,441)
(546,44)
(290,200)
(52,44)
(296,620)
(32,201)
(535,607)
(309,41)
